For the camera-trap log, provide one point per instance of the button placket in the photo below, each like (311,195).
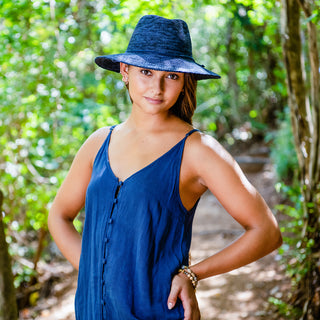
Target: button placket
(108,229)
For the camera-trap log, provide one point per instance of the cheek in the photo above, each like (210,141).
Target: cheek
(137,85)
(175,92)
(134,87)
(178,86)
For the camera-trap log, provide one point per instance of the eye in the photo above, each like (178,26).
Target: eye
(145,72)
(173,76)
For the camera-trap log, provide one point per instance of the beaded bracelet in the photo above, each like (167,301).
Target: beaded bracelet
(190,274)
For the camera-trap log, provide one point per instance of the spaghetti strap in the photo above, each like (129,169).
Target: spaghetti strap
(109,134)
(191,132)
(111,128)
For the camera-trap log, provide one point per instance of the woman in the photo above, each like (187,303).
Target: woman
(141,181)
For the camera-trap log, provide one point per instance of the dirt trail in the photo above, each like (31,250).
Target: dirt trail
(240,294)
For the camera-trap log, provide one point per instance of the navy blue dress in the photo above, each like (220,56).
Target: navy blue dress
(137,234)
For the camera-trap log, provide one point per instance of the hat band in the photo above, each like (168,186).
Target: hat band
(161,53)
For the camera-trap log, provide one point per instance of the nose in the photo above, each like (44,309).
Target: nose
(157,85)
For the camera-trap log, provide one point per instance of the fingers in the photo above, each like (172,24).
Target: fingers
(191,309)
(187,310)
(172,299)
(181,288)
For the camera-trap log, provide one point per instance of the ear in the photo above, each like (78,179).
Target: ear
(124,69)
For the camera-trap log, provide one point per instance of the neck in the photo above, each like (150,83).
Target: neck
(149,122)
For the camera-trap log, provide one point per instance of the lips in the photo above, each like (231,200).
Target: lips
(154,100)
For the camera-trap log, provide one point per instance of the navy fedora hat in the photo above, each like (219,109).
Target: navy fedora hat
(161,44)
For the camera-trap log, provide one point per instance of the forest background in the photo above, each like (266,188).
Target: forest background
(52,97)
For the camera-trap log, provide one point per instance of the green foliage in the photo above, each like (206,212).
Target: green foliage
(50,95)
(23,275)
(243,45)
(53,97)
(285,309)
(296,249)
(283,152)
(300,251)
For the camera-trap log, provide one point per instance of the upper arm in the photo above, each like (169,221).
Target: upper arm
(221,174)
(71,196)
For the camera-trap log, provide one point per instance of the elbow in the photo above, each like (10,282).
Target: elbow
(279,239)
(275,238)
(270,236)
(52,219)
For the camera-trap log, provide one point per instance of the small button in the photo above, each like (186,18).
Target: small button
(103,302)
(115,200)
(106,240)
(110,220)
(104,261)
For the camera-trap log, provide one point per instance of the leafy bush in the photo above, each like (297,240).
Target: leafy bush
(283,154)
(293,253)
(296,249)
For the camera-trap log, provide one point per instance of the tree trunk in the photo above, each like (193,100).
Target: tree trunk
(315,94)
(304,108)
(8,305)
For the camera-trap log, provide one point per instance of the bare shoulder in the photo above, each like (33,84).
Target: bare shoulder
(91,146)
(201,146)
(99,135)
(210,161)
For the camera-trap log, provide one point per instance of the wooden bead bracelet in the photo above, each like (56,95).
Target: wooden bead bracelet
(190,274)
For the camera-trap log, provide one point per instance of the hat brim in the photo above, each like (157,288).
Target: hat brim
(155,62)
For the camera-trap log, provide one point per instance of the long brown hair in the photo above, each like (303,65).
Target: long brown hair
(187,102)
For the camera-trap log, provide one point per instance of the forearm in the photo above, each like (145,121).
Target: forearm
(66,238)
(251,246)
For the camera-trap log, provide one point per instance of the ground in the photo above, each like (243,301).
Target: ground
(240,294)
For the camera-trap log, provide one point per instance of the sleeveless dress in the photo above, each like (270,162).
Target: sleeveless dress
(136,236)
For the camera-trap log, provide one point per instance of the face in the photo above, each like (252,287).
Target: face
(152,91)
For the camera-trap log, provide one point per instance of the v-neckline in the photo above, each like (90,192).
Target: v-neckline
(146,166)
